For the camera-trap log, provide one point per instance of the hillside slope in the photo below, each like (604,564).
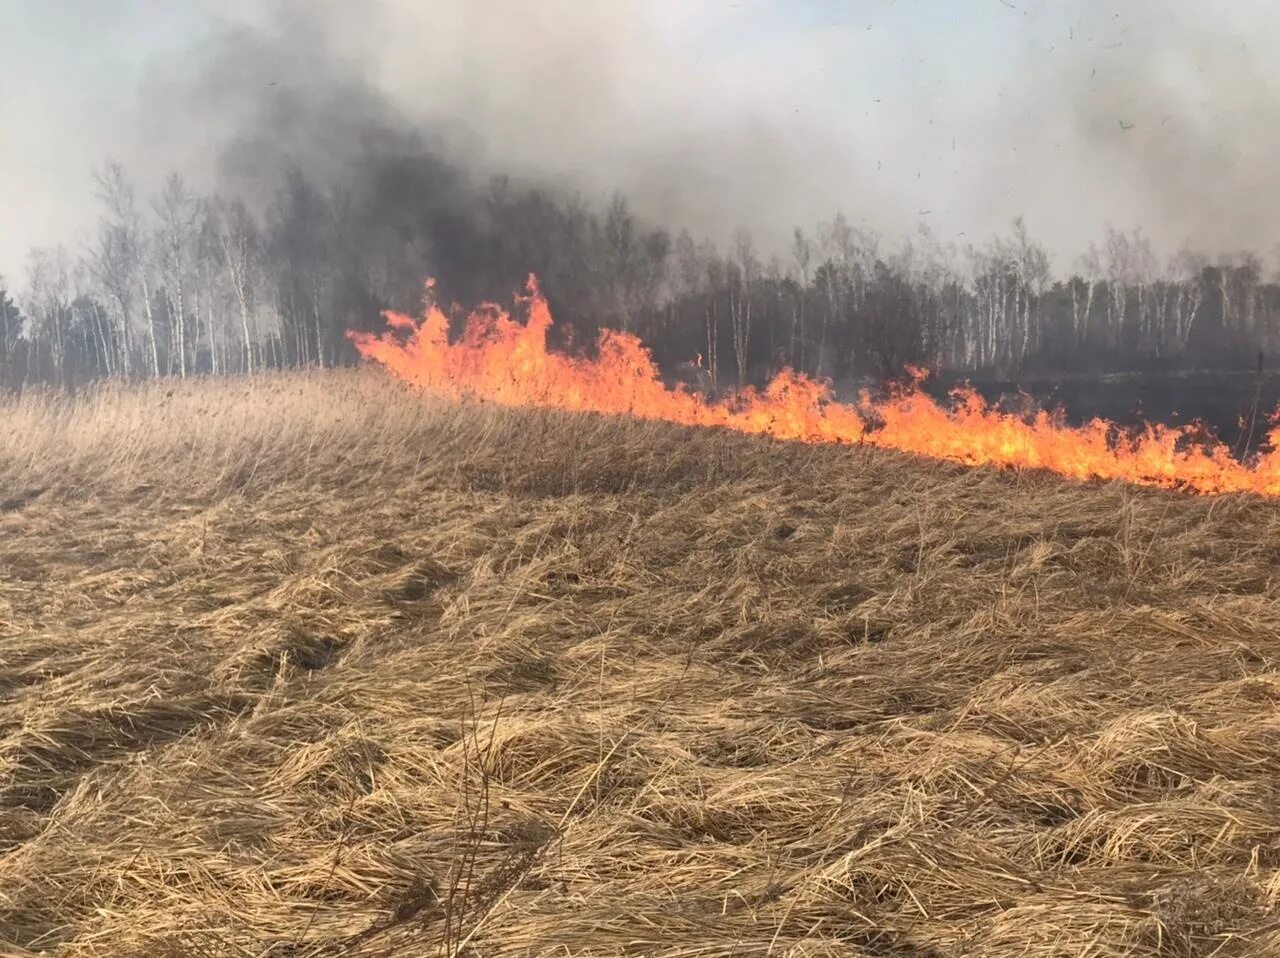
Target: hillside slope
(313,665)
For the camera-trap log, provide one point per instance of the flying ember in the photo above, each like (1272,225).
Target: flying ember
(505,361)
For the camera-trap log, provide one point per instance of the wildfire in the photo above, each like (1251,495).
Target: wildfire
(504,361)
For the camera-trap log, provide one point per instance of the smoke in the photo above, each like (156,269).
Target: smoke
(587,98)
(1165,118)
(708,115)
(583,98)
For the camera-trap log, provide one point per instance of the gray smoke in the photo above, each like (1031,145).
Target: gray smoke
(585,97)
(708,115)
(1164,116)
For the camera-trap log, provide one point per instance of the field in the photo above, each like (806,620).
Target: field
(314,665)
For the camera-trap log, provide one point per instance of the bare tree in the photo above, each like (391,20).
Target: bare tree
(992,288)
(621,249)
(49,302)
(633,262)
(802,254)
(96,333)
(205,302)
(1239,279)
(111,262)
(10,328)
(240,244)
(1031,269)
(1082,293)
(927,266)
(177,209)
(744,270)
(1186,289)
(1130,267)
(302,249)
(131,245)
(717,276)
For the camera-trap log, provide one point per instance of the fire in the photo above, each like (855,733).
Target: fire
(504,361)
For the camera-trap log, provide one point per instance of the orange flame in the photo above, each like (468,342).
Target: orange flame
(501,360)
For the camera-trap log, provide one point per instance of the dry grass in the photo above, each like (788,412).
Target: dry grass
(314,666)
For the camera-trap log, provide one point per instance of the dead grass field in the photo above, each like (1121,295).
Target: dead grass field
(312,665)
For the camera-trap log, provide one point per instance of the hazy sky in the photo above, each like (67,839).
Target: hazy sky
(711,113)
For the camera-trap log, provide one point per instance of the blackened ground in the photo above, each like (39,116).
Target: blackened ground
(1224,402)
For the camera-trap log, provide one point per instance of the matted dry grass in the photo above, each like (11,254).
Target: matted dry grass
(312,665)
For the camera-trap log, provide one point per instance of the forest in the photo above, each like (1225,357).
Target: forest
(177,284)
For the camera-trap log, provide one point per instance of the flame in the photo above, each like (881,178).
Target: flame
(504,361)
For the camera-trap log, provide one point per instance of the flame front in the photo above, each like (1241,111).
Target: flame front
(501,360)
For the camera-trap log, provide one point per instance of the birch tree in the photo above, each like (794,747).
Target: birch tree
(132,250)
(177,210)
(49,302)
(240,243)
(743,273)
(802,255)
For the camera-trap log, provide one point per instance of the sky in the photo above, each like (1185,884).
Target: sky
(710,114)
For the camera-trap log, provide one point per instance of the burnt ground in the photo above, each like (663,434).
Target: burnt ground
(1225,402)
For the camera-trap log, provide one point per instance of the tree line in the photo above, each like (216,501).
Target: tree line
(178,284)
